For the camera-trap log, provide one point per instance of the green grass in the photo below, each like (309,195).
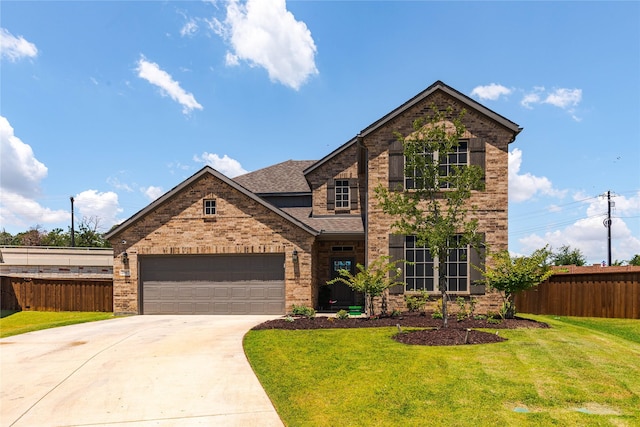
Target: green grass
(585,374)
(14,323)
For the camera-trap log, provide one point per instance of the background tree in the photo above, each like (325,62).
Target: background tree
(56,237)
(6,238)
(89,235)
(635,260)
(568,256)
(438,219)
(509,275)
(372,280)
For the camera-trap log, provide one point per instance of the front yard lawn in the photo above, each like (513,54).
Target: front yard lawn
(14,323)
(580,372)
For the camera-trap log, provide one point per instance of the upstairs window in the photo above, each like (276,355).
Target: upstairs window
(342,194)
(458,157)
(209,207)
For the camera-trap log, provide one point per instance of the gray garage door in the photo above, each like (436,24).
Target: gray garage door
(213,284)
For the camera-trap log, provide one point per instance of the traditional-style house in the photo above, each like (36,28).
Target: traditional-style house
(271,239)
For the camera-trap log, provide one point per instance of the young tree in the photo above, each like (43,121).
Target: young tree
(509,275)
(435,208)
(568,256)
(372,280)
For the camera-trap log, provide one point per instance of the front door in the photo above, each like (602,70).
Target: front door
(341,293)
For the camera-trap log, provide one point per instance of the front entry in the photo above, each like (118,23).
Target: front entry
(339,296)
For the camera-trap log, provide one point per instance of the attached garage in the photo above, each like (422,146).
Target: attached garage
(212,284)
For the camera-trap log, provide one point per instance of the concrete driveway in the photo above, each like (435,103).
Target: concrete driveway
(134,371)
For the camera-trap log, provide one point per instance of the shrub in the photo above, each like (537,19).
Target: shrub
(342,314)
(416,302)
(301,310)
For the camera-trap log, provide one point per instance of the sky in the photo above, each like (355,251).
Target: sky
(115,103)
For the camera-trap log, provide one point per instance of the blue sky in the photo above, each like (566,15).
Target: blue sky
(117,102)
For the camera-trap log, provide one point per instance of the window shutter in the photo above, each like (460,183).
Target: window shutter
(353,194)
(331,195)
(396,165)
(477,259)
(396,252)
(477,154)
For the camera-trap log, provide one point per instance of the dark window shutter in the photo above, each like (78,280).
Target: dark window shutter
(396,165)
(477,259)
(331,195)
(477,154)
(353,193)
(396,252)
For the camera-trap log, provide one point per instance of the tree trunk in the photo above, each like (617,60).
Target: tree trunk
(442,283)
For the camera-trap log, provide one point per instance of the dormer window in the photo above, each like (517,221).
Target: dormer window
(209,207)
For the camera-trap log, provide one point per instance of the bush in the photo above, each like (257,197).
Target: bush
(301,310)
(416,302)
(342,314)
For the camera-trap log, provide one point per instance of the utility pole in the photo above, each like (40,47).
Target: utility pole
(607,223)
(73,231)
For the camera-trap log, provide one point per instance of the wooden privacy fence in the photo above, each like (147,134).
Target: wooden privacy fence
(56,294)
(613,295)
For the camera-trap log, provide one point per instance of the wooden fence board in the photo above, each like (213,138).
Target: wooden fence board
(56,295)
(614,295)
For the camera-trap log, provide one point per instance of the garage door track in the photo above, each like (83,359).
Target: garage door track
(134,371)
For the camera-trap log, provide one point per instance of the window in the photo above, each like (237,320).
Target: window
(342,193)
(422,275)
(458,157)
(209,207)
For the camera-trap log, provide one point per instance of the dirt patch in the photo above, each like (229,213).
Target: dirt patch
(434,333)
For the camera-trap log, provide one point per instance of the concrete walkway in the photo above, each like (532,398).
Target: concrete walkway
(134,371)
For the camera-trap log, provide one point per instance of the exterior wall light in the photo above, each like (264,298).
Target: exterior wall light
(125,257)
(294,255)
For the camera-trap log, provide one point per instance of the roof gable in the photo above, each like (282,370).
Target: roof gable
(186,183)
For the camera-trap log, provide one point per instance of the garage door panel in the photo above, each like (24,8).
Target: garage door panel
(246,284)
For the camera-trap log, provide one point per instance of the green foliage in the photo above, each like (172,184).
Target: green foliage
(342,314)
(465,308)
(509,275)
(87,235)
(635,260)
(416,302)
(439,219)
(568,256)
(304,311)
(373,280)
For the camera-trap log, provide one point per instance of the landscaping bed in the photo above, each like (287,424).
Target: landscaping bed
(433,333)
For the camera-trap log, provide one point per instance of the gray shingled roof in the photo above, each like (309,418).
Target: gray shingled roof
(285,177)
(330,224)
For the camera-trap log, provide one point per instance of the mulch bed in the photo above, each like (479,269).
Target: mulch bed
(457,332)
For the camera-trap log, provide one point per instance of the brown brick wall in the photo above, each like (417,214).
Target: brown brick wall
(241,225)
(492,203)
(345,166)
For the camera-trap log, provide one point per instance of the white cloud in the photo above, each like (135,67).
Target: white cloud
(189,28)
(225,164)
(22,212)
(589,234)
(20,171)
(265,34)
(525,186)
(104,206)
(119,185)
(14,48)
(152,192)
(151,72)
(566,99)
(491,92)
